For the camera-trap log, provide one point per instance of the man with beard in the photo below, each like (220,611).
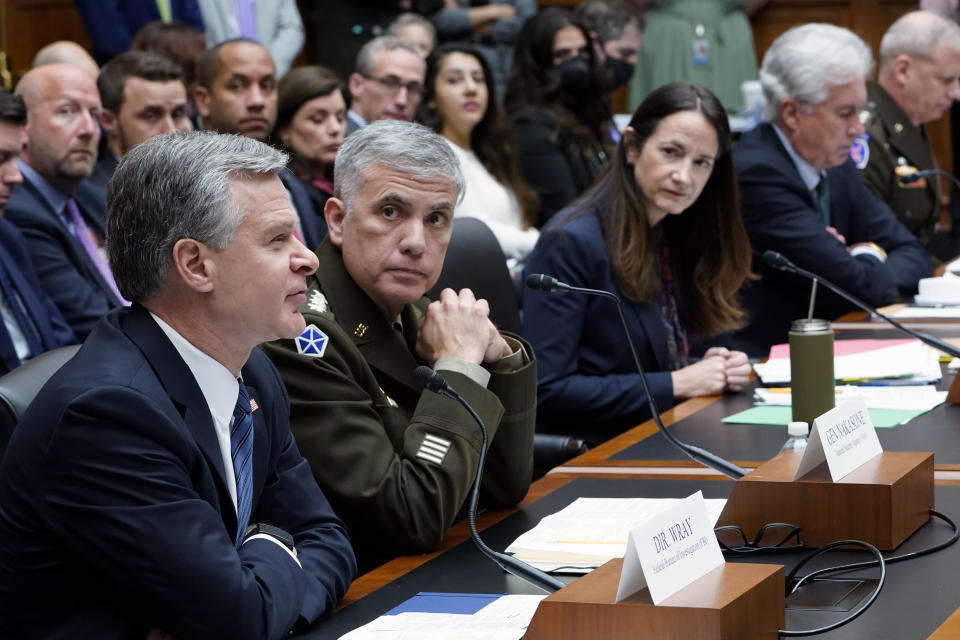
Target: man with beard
(61,215)
(143,95)
(31,323)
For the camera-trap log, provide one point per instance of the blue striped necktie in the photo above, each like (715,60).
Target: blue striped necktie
(241,447)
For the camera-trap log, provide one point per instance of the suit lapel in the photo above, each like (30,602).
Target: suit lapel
(178,381)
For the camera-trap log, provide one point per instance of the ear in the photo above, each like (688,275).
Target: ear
(901,69)
(202,97)
(790,114)
(108,120)
(190,261)
(630,145)
(335,212)
(356,85)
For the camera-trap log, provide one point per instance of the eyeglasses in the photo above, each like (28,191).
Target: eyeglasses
(393,84)
(776,536)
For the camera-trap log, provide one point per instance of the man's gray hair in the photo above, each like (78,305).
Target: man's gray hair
(367,56)
(918,33)
(174,186)
(805,61)
(406,147)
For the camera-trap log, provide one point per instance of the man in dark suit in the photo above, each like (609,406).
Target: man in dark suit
(398,462)
(113,24)
(237,93)
(62,216)
(154,485)
(143,95)
(31,322)
(802,195)
(386,84)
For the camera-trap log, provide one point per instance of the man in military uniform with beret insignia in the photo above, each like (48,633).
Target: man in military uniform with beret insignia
(397,463)
(917,82)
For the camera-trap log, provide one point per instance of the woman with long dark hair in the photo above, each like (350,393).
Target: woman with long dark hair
(662,229)
(555,100)
(458,103)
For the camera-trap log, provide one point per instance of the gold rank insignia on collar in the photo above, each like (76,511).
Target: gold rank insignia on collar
(360,330)
(390,401)
(898,127)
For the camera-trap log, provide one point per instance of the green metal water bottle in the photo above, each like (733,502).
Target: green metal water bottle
(811,369)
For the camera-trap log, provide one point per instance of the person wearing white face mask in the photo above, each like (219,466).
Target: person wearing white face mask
(458,104)
(661,228)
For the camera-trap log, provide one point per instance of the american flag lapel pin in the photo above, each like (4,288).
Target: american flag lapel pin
(253,405)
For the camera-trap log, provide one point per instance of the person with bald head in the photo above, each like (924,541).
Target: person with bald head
(917,83)
(237,93)
(29,321)
(61,215)
(68,52)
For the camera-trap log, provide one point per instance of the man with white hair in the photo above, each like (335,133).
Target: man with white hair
(917,83)
(802,195)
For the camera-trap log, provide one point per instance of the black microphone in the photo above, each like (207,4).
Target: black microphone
(540,282)
(910,178)
(433,381)
(779,261)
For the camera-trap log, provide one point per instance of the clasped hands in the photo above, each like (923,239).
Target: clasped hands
(459,326)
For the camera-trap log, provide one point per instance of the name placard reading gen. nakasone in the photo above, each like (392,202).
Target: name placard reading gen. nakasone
(845,437)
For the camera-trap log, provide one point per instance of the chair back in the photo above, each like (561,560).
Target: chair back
(19,387)
(474,260)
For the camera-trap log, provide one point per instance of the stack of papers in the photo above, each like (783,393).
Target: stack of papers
(913,397)
(590,532)
(864,362)
(506,618)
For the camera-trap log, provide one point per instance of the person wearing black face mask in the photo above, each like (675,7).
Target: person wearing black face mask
(615,29)
(556,103)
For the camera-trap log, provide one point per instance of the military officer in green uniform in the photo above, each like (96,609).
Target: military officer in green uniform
(397,463)
(917,82)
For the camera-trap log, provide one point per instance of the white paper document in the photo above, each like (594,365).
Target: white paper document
(506,618)
(918,397)
(591,531)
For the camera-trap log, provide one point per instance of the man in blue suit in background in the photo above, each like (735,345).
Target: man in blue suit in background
(57,210)
(803,197)
(154,486)
(31,322)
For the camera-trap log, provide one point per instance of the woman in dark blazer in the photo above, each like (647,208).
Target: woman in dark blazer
(311,125)
(662,229)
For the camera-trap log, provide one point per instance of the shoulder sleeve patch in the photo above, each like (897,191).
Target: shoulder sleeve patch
(860,151)
(312,342)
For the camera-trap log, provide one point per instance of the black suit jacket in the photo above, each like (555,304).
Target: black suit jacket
(780,214)
(116,514)
(65,269)
(312,222)
(50,326)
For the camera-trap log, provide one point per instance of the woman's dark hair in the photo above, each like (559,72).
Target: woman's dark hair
(535,82)
(708,244)
(492,139)
(177,41)
(298,86)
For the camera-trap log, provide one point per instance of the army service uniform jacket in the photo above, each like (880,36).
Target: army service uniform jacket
(895,147)
(396,463)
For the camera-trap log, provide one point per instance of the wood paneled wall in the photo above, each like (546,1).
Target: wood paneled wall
(28,25)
